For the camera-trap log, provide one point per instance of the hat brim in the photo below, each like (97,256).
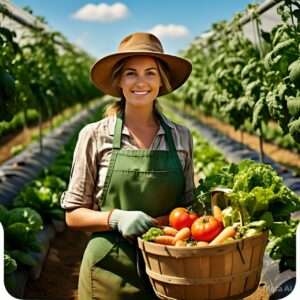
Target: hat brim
(101,71)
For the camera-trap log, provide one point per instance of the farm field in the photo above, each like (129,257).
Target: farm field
(241,105)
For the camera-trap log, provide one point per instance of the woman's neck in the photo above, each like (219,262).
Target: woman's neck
(140,117)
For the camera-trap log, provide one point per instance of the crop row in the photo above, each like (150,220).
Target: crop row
(250,85)
(32,210)
(59,75)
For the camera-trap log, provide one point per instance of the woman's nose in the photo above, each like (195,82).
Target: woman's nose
(140,80)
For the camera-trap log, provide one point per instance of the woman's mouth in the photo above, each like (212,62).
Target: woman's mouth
(141,93)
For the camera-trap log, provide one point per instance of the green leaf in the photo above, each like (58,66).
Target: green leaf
(10,265)
(23,257)
(294,74)
(294,128)
(27,216)
(152,233)
(280,228)
(293,104)
(3,215)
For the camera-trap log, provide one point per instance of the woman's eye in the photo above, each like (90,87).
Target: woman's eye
(129,73)
(151,73)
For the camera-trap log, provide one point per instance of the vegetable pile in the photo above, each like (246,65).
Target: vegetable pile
(253,195)
(186,229)
(260,200)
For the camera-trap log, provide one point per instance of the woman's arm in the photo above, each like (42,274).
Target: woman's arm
(79,198)
(86,219)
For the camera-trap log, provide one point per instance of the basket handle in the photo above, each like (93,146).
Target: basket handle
(215,192)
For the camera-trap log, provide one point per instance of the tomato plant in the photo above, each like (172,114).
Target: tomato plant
(206,228)
(180,217)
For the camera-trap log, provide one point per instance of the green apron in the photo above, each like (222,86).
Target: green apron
(146,180)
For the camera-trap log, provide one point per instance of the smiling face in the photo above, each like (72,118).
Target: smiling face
(140,80)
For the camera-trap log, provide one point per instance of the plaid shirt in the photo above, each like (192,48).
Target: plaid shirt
(93,152)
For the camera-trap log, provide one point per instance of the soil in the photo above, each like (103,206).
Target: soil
(15,139)
(280,155)
(59,277)
(24,136)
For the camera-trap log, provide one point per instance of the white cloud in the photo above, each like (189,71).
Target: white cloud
(169,31)
(102,12)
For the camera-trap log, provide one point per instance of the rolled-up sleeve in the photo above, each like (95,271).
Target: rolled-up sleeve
(83,176)
(189,173)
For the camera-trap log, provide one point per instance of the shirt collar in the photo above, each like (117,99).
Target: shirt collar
(125,130)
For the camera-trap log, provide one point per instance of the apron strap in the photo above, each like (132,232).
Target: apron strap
(169,138)
(118,131)
(116,147)
(170,143)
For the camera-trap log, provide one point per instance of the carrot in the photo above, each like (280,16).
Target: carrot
(165,240)
(202,244)
(180,243)
(183,234)
(168,230)
(223,235)
(217,213)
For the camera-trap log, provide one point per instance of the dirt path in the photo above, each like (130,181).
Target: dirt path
(59,277)
(25,136)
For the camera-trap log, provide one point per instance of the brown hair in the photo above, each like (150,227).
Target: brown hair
(116,73)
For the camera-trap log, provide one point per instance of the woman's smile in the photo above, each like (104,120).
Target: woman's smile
(141,93)
(140,80)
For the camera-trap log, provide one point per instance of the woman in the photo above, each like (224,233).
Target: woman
(129,169)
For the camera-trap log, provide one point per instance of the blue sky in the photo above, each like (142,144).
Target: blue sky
(99,34)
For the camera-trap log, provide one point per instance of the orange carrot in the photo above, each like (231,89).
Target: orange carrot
(217,213)
(223,235)
(183,234)
(180,243)
(168,230)
(202,244)
(165,239)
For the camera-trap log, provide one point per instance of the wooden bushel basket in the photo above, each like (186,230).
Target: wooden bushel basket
(230,271)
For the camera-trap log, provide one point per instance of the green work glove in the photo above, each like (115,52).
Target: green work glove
(130,223)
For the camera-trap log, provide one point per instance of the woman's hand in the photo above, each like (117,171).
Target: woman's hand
(162,220)
(130,223)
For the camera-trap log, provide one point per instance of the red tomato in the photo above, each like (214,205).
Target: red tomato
(206,228)
(180,217)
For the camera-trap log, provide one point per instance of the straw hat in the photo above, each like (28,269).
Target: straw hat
(139,43)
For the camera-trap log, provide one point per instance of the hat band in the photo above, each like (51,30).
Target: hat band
(141,48)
